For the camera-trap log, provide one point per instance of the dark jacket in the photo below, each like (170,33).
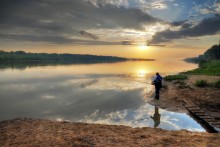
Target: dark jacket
(158,81)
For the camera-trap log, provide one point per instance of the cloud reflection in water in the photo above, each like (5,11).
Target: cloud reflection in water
(141,117)
(94,98)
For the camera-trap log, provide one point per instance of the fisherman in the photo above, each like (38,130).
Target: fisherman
(157,82)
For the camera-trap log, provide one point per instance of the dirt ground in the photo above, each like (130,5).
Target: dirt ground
(173,95)
(36,132)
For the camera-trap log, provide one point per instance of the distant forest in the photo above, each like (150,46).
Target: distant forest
(21,59)
(211,54)
(23,56)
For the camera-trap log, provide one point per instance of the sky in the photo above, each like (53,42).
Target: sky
(127,28)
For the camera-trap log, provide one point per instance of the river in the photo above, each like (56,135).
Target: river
(106,93)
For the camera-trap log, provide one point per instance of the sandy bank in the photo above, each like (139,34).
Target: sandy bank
(36,132)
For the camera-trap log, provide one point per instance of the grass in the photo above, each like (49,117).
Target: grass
(201,83)
(204,83)
(175,77)
(211,63)
(211,68)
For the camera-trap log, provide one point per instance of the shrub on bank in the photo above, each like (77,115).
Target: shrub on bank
(175,77)
(201,83)
(217,84)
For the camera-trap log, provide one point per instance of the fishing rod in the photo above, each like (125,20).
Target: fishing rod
(148,94)
(138,81)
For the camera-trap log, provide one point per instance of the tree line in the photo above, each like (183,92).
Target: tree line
(24,56)
(212,53)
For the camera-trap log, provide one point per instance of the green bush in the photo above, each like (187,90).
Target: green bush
(175,77)
(201,83)
(217,84)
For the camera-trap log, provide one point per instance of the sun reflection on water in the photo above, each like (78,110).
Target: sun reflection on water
(142,73)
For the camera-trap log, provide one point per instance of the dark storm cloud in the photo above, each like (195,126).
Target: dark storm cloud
(55,39)
(48,19)
(127,42)
(208,26)
(88,35)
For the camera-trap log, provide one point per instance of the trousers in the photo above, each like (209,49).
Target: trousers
(157,90)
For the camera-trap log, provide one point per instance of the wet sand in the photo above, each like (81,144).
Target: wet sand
(37,132)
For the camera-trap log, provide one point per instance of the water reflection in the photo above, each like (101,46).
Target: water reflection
(126,68)
(156,117)
(105,93)
(142,73)
(141,117)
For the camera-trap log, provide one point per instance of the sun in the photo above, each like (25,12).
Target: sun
(143,47)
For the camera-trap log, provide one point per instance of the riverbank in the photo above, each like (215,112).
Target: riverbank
(175,93)
(37,132)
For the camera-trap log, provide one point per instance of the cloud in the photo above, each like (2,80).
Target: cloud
(96,22)
(159,5)
(144,5)
(56,21)
(88,83)
(55,39)
(88,35)
(118,3)
(48,97)
(127,42)
(208,26)
(210,9)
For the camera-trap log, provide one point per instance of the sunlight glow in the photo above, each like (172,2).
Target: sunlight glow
(142,73)
(143,47)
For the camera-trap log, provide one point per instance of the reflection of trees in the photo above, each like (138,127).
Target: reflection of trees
(156,117)
(28,64)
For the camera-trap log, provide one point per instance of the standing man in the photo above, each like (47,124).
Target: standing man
(157,82)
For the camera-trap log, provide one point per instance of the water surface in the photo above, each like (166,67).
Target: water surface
(111,93)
